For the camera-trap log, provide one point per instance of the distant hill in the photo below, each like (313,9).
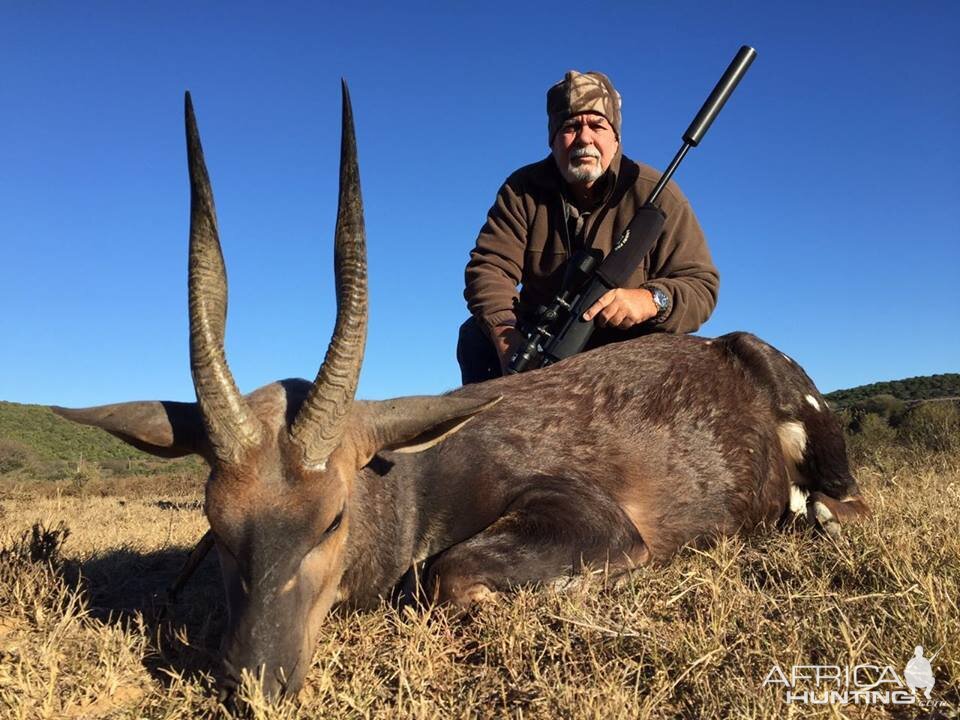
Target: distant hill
(50,437)
(35,443)
(924,387)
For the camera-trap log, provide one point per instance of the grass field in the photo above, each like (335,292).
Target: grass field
(84,632)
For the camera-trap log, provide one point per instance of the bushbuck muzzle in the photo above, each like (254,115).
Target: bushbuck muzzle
(277,598)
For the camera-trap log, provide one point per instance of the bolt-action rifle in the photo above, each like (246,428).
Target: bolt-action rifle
(558,330)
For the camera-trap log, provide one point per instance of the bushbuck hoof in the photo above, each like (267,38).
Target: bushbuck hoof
(463,593)
(824,519)
(476,594)
(829,514)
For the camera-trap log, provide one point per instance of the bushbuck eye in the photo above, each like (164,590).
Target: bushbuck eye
(335,524)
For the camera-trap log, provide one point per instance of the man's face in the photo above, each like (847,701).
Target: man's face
(583,148)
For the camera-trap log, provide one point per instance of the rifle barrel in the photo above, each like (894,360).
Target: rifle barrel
(668,173)
(708,113)
(721,93)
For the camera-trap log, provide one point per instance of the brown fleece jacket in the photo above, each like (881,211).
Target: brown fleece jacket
(525,241)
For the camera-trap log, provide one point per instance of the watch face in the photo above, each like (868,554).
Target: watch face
(660,298)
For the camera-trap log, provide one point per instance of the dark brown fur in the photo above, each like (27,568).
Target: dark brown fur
(616,456)
(613,458)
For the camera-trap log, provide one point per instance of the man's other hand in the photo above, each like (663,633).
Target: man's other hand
(506,339)
(622,308)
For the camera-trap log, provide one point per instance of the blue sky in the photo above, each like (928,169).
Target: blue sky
(828,188)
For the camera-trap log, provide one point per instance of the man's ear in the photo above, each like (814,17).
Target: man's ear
(410,424)
(161,428)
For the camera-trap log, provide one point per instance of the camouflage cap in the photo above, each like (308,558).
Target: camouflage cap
(579,93)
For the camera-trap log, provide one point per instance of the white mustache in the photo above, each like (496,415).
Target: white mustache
(586,151)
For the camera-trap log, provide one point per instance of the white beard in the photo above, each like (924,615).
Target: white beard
(575,173)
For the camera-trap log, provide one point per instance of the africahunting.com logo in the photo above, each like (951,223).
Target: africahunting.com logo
(864,684)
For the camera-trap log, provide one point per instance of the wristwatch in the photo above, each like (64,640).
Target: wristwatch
(662,302)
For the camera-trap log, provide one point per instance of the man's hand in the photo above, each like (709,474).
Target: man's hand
(622,308)
(506,339)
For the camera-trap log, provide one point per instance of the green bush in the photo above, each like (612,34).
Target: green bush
(931,426)
(888,407)
(14,456)
(873,435)
(84,473)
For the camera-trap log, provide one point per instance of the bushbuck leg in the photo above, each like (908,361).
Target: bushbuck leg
(823,491)
(552,530)
(829,513)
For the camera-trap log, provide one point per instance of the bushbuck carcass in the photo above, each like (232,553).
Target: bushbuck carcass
(614,458)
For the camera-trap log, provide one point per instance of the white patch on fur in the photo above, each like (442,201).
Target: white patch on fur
(793,440)
(787,358)
(813,401)
(798,500)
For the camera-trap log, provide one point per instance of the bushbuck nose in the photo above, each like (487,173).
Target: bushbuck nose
(274,681)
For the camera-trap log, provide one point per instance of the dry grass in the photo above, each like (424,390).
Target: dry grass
(82,634)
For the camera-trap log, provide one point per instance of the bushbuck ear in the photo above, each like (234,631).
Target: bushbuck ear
(165,429)
(411,424)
